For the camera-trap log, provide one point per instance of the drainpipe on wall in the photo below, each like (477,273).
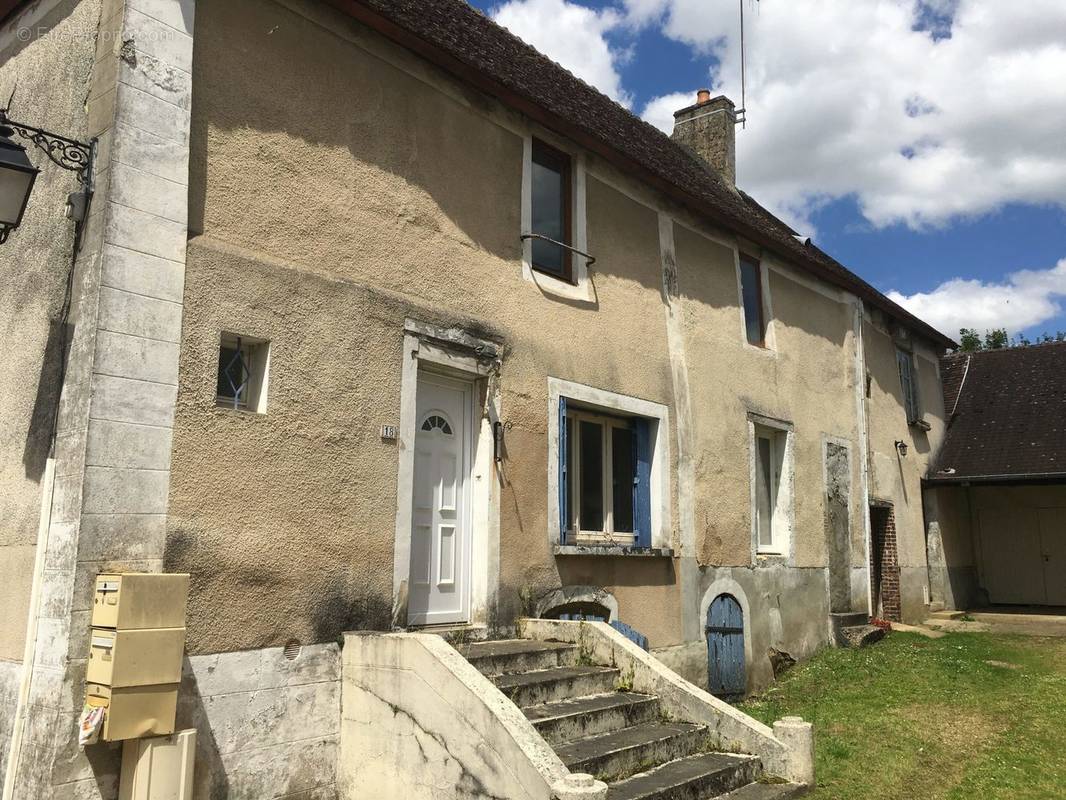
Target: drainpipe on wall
(864,439)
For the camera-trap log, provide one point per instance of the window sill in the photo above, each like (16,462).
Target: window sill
(629,551)
(921,425)
(770,559)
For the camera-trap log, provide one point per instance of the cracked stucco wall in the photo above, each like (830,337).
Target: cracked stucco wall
(418,721)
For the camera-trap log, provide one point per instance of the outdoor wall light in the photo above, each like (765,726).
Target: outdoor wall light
(18,174)
(498,429)
(901,446)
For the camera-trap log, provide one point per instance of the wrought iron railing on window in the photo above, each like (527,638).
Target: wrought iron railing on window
(589,259)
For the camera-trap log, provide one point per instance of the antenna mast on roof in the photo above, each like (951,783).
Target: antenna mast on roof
(742,112)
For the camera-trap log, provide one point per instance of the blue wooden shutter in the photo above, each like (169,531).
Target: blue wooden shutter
(642,482)
(563,482)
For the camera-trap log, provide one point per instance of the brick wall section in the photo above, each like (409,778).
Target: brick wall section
(884,565)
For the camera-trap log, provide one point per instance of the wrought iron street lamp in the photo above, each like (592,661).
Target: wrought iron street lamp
(18,174)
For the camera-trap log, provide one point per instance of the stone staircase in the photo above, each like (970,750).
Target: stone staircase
(596,725)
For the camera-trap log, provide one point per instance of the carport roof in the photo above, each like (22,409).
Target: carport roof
(1006,416)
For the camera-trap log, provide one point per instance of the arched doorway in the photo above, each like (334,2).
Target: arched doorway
(726,673)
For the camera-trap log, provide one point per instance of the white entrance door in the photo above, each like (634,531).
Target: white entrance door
(440,537)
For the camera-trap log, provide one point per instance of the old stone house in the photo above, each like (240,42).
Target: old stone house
(381,320)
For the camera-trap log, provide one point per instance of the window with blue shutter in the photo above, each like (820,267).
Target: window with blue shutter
(604,477)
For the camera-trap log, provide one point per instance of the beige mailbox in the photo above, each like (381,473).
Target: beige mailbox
(134,711)
(135,652)
(135,600)
(147,657)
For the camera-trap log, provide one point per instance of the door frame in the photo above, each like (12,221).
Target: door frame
(457,356)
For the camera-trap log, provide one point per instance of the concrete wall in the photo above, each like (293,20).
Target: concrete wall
(46,57)
(894,478)
(419,721)
(113,440)
(267,726)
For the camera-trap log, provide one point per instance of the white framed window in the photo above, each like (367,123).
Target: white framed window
(603,485)
(771,487)
(243,369)
(553,206)
(608,472)
(756,310)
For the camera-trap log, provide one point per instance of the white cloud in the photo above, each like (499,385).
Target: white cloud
(861,99)
(1026,299)
(572,35)
(660,111)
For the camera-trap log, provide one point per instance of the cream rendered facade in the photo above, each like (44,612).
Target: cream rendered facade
(382,239)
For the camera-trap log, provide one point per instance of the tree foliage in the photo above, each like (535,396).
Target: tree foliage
(970,341)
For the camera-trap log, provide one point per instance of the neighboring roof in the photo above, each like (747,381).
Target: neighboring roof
(1010,419)
(463,41)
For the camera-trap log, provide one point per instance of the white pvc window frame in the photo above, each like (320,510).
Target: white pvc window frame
(608,424)
(658,416)
(580,288)
(782,512)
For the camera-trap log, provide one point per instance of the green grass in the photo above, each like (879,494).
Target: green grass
(930,719)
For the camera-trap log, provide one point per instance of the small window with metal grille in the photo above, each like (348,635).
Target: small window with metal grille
(243,365)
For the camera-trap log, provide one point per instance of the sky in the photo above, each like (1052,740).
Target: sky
(920,142)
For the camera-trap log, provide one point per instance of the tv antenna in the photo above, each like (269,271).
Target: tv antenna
(742,112)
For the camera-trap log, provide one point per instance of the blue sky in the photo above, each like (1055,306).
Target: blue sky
(919,141)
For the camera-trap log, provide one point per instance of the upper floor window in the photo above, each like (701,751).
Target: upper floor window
(751,295)
(551,205)
(908,381)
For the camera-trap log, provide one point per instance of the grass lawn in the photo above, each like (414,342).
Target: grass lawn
(921,718)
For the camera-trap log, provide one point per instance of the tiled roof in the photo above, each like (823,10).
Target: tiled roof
(469,44)
(1010,420)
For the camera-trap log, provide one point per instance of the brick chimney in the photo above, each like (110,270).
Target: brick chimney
(708,128)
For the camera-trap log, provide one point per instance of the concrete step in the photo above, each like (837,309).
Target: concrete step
(767,791)
(692,778)
(557,683)
(947,614)
(618,754)
(518,655)
(845,619)
(862,635)
(586,716)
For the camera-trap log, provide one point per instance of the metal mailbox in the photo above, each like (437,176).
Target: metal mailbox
(134,711)
(134,600)
(147,657)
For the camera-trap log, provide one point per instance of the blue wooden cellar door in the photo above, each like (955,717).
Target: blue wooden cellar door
(725,648)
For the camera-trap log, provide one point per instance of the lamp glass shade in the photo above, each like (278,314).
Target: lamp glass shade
(17,175)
